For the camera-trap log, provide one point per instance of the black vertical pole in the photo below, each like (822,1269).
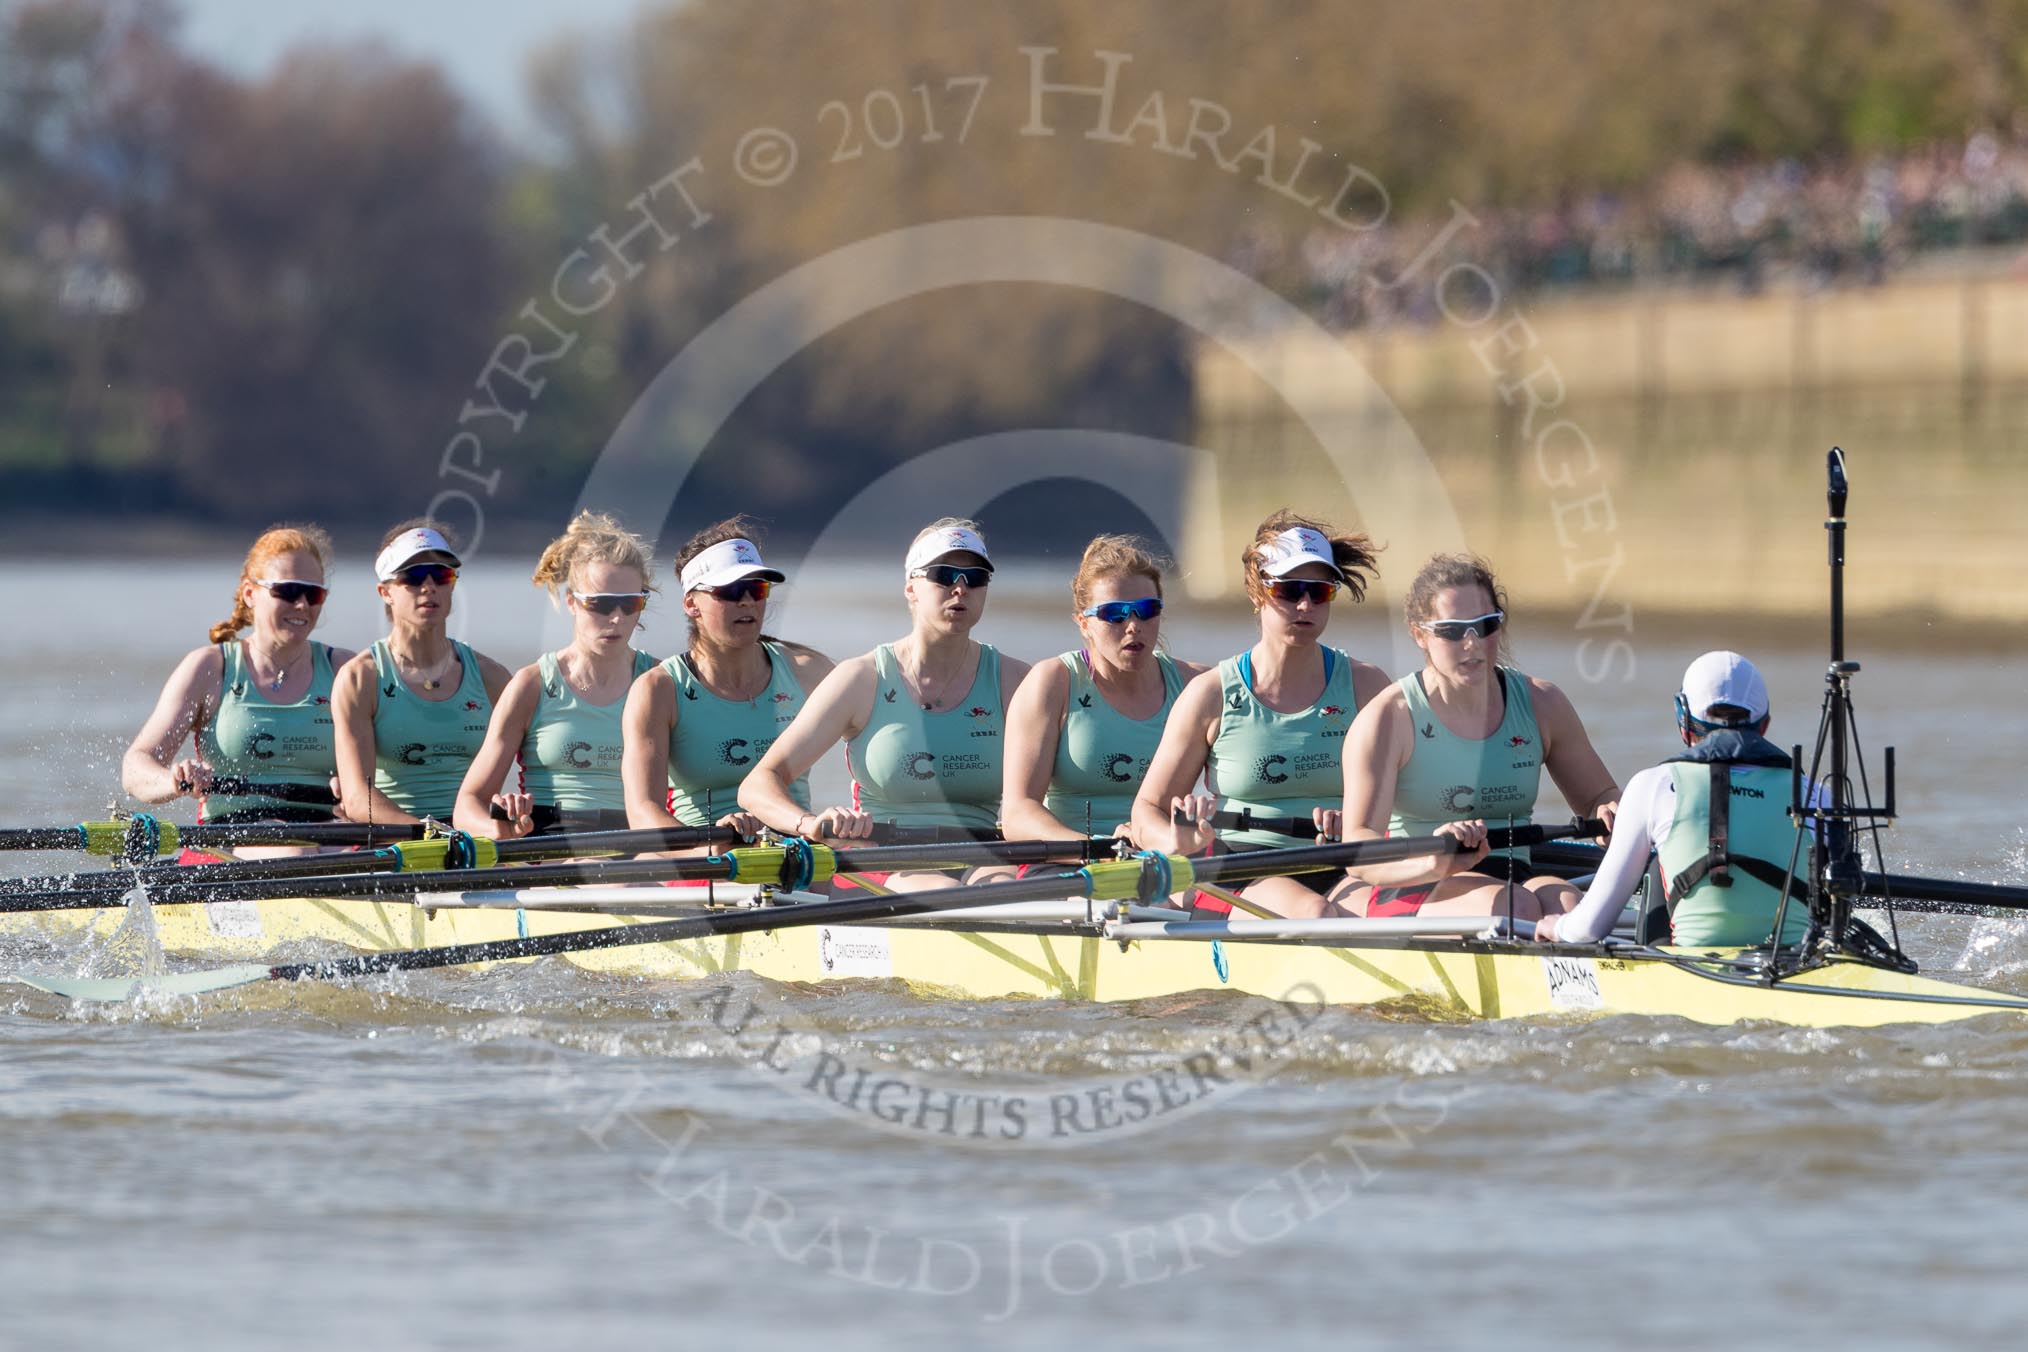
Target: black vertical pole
(1840,876)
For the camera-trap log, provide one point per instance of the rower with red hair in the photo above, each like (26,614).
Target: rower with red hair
(256,701)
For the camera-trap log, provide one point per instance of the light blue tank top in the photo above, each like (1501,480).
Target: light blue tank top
(931,769)
(570,755)
(254,738)
(1101,754)
(1277,764)
(716,741)
(422,747)
(1450,778)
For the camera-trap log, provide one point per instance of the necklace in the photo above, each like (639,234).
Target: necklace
(433,680)
(281,673)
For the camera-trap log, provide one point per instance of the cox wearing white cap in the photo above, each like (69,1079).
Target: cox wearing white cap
(1716,818)
(412,711)
(922,718)
(1457,746)
(700,721)
(1265,730)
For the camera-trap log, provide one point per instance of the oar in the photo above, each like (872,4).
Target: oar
(1942,891)
(806,864)
(442,852)
(1147,877)
(232,786)
(549,817)
(1246,819)
(144,837)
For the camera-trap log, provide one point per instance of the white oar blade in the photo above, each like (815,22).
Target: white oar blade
(106,989)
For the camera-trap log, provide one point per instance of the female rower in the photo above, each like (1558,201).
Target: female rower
(412,711)
(256,708)
(561,714)
(922,717)
(1265,729)
(697,723)
(1082,730)
(1455,746)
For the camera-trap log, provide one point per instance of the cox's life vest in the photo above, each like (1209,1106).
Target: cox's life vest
(1725,860)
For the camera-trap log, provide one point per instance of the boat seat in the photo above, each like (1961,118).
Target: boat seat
(1653,925)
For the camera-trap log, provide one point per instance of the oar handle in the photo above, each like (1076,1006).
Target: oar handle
(892,833)
(1497,838)
(1246,819)
(549,817)
(233,786)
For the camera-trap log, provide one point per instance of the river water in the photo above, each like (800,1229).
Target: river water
(537,1156)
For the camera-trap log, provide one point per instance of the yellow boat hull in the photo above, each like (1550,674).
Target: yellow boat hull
(1465,979)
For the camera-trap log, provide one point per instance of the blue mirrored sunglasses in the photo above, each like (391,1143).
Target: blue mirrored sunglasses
(1119,612)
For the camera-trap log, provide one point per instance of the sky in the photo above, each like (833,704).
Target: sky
(481,44)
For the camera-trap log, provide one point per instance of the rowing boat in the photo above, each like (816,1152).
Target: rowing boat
(1100,944)
(1077,950)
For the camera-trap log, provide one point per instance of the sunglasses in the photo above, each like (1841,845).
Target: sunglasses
(1457,631)
(418,573)
(755,588)
(605,603)
(949,575)
(1295,589)
(1119,612)
(288,593)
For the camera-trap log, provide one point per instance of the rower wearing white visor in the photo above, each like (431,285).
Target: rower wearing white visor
(700,721)
(1716,818)
(1264,731)
(412,711)
(922,717)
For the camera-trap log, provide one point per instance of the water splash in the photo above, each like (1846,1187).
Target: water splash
(133,949)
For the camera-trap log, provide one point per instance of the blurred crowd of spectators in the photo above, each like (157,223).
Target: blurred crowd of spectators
(1837,222)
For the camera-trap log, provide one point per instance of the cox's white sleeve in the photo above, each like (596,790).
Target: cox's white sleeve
(1626,859)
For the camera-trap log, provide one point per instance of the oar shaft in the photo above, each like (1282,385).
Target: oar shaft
(845,911)
(366,834)
(396,858)
(1950,891)
(1248,820)
(1247,866)
(378,885)
(1052,884)
(42,838)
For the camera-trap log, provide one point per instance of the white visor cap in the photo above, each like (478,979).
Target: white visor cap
(945,540)
(725,562)
(1295,547)
(1724,677)
(408,546)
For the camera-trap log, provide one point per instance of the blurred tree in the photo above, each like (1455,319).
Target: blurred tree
(324,273)
(318,258)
